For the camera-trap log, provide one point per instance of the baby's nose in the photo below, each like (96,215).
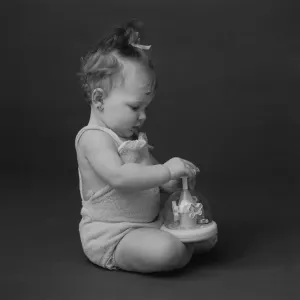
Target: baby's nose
(142,116)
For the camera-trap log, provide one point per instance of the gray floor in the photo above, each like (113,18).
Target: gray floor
(257,256)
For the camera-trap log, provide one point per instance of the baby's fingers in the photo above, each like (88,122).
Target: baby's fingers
(190,171)
(191,165)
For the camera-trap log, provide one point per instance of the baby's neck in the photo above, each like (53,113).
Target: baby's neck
(95,121)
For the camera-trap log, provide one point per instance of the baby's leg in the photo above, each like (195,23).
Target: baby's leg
(148,250)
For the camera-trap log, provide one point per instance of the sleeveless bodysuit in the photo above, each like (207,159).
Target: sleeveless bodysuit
(108,214)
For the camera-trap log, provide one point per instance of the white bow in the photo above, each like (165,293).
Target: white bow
(143,47)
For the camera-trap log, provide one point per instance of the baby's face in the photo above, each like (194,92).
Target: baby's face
(126,105)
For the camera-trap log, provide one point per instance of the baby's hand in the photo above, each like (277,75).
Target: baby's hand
(172,186)
(181,168)
(175,185)
(191,183)
(191,180)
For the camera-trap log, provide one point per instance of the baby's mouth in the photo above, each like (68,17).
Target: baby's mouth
(135,129)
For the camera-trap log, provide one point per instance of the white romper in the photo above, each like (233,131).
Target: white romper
(108,215)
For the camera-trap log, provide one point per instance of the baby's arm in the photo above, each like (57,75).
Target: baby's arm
(167,187)
(102,154)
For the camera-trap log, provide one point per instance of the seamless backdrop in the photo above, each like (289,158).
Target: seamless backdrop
(228,100)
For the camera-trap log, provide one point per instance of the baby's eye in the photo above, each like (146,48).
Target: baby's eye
(135,107)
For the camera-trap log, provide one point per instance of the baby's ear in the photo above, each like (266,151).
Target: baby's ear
(97,96)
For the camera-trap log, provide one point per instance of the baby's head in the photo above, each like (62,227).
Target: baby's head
(119,81)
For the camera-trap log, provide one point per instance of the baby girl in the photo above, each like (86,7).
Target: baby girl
(120,181)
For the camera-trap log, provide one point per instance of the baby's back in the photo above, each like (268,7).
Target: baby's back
(91,181)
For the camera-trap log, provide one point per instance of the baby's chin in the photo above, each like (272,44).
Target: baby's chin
(130,134)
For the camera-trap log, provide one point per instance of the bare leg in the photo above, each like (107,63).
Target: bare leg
(190,248)
(148,250)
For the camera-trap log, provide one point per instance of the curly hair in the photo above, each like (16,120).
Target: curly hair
(105,62)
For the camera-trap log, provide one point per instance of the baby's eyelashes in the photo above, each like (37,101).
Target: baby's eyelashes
(134,107)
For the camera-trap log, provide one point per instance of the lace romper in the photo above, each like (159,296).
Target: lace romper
(108,215)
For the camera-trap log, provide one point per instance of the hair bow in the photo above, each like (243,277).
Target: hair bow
(143,47)
(135,42)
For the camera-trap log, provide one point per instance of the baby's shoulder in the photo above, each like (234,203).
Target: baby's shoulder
(98,140)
